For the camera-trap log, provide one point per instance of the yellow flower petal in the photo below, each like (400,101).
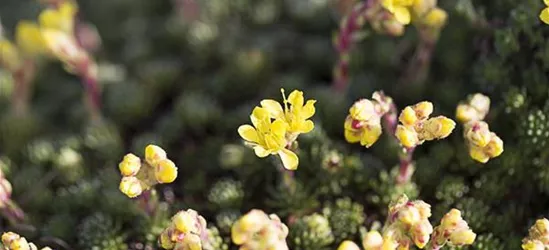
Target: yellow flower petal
(248,133)
(274,108)
(348,245)
(260,118)
(370,136)
(546,2)
(402,15)
(29,38)
(296,98)
(261,152)
(544,16)
(306,127)
(308,110)
(289,159)
(166,171)
(62,45)
(388,4)
(478,154)
(279,127)
(351,136)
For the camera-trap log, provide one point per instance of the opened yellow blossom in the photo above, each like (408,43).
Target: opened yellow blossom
(296,112)
(400,9)
(544,15)
(269,137)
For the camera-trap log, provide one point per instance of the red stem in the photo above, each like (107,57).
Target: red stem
(390,120)
(344,41)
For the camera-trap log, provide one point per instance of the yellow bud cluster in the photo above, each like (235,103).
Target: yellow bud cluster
(453,230)
(421,12)
(275,127)
(538,236)
(416,126)
(363,123)
(185,232)
(12,241)
(138,176)
(482,143)
(259,231)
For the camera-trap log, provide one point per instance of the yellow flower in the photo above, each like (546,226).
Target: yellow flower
(348,245)
(131,186)
(423,110)
(407,136)
(363,110)
(363,124)
(63,46)
(533,245)
(493,148)
(400,9)
(439,127)
(436,18)
(367,133)
(256,231)
(165,171)
(296,116)
(478,133)
(154,154)
(29,38)
(462,237)
(130,165)
(475,108)
(544,15)
(61,18)
(408,116)
(10,57)
(185,222)
(422,7)
(542,226)
(268,137)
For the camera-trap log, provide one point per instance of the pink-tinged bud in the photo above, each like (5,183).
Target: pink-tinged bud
(462,237)
(348,245)
(154,154)
(421,233)
(363,110)
(131,186)
(478,133)
(423,110)
(372,240)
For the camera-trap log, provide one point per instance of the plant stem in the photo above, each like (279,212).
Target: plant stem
(23,87)
(418,68)
(13,213)
(350,24)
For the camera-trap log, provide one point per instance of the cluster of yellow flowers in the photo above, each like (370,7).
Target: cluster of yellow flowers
(276,128)
(186,232)
(482,143)
(420,12)
(453,230)
(363,123)
(538,236)
(258,231)
(52,36)
(408,224)
(416,126)
(139,176)
(12,241)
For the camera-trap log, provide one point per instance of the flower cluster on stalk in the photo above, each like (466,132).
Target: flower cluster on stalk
(13,241)
(187,231)
(138,176)
(258,231)
(482,143)
(275,127)
(538,236)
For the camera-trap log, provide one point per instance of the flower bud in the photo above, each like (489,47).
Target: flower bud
(436,18)
(165,241)
(131,186)
(165,171)
(421,7)
(437,128)
(423,110)
(451,218)
(408,116)
(370,134)
(130,165)
(392,27)
(407,136)
(372,240)
(478,154)
(348,245)
(542,226)
(154,154)
(362,110)
(533,245)
(421,232)
(185,221)
(494,147)
(478,133)
(462,237)
(466,113)
(409,215)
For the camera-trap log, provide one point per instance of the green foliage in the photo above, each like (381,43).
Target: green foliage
(99,231)
(345,217)
(311,232)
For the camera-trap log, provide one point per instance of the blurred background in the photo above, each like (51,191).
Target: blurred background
(184,74)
